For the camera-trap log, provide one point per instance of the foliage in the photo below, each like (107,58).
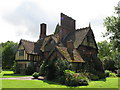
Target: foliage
(93,77)
(43,69)
(35,75)
(54,69)
(109,55)
(109,83)
(118,72)
(16,68)
(74,79)
(61,66)
(11,74)
(30,69)
(109,73)
(112,74)
(112,25)
(8,54)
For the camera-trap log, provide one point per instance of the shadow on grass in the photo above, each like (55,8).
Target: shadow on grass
(50,82)
(100,80)
(14,75)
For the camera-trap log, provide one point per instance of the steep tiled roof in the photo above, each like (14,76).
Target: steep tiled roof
(64,52)
(30,47)
(53,38)
(76,56)
(76,36)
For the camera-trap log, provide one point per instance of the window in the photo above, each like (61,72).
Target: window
(21,52)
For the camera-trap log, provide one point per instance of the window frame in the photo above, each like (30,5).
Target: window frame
(20,52)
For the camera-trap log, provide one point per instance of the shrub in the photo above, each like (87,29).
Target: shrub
(54,69)
(43,69)
(118,73)
(107,73)
(112,74)
(16,68)
(74,79)
(30,70)
(35,75)
(23,71)
(93,77)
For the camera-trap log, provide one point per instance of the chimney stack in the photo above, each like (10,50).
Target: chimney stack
(43,30)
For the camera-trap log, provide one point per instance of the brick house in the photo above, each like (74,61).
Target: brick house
(78,46)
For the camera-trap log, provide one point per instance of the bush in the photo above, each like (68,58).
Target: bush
(16,68)
(30,70)
(23,71)
(43,69)
(112,74)
(93,77)
(74,79)
(107,73)
(118,73)
(54,69)
(35,75)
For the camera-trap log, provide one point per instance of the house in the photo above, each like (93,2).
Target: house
(78,46)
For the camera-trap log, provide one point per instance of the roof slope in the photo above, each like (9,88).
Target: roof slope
(76,36)
(30,47)
(65,52)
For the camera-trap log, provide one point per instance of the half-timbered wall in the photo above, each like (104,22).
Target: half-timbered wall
(21,54)
(25,56)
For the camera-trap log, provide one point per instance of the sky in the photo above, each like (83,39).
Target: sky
(20,19)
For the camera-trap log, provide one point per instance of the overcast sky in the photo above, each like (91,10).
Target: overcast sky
(21,18)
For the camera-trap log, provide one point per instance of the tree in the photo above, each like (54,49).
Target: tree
(8,54)
(109,55)
(112,24)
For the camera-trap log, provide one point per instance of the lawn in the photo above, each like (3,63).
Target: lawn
(10,74)
(108,83)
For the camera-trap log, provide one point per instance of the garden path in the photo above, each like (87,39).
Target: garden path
(25,78)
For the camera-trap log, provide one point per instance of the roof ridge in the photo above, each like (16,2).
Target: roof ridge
(27,41)
(82,28)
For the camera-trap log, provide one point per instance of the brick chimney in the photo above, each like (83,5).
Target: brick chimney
(42,30)
(70,44)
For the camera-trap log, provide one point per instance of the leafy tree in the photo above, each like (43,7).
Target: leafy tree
(112,24)
(8,54)
(109,55)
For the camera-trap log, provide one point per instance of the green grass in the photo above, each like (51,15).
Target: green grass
(10,74)
(109,83)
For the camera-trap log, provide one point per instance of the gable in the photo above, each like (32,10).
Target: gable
(21,47)
(89,40)
(76,36)
(48,44)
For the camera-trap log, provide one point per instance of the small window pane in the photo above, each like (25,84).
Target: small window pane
(21,53)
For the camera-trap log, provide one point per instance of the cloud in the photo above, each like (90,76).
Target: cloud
(22,17)
(28,16)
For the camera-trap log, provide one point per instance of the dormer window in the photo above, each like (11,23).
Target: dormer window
(21,52)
